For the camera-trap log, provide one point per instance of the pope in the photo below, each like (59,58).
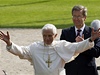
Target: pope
(49,56)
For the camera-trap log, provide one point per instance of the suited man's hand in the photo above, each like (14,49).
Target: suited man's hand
(79,38)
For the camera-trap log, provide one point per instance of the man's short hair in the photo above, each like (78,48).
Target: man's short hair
(78,8)
(95,24)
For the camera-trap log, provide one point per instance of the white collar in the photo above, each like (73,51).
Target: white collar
(52,44)
(82,28)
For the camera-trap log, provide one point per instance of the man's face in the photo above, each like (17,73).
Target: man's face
(48,36)
(78,18)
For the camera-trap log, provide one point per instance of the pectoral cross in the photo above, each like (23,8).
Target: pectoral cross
(48,61)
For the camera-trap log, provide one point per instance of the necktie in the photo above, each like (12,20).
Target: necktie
(78,32)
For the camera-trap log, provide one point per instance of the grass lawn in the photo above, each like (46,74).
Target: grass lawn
(36,13)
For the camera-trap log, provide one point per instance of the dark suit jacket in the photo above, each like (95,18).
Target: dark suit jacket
(84,64)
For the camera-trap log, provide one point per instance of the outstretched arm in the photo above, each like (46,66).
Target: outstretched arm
(21,51)
(94,35)
(5,38)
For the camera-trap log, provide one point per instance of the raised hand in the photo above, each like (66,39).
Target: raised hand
(5,37)
(95,34)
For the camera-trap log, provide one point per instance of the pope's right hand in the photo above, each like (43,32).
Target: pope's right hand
(5,38)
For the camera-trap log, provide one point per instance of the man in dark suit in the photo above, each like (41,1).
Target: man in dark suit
(84,63)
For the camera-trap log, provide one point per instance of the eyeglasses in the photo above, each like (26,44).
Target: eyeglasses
(77,17)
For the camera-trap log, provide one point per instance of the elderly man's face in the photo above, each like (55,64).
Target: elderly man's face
(48,36)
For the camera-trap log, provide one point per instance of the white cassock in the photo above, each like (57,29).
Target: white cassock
(49,60)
